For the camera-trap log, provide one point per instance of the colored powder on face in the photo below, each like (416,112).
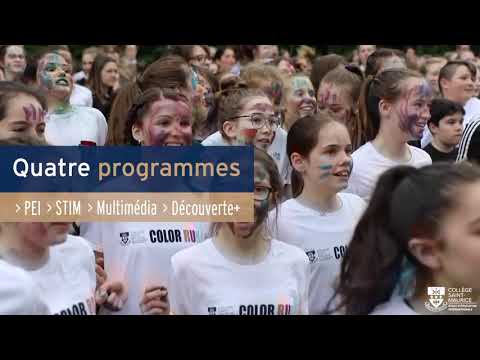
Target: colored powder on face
(326,170)
(408,118)
(247,136)
(46,80)
(34,115)
(261,213)
(425,90)
(157,135)
(301,82)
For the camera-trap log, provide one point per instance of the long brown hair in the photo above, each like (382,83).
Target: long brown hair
(386,85)
(375,259)
(98,88)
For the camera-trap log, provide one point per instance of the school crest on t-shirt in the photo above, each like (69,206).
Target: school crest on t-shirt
(315,255)
(125,238)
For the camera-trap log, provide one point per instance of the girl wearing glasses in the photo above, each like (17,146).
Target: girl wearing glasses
(319,219)
(241,270)
(246,117)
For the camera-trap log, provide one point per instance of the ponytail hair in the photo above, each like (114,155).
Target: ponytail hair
(372,266)
(387,85)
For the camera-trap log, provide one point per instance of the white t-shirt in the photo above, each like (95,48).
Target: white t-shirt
(472,112)
(205,282)
(395,306)
(138,253)
(369,164)
(67,281)
(324,238)
(19,295)
(79,76)
(277,150)
(81,96)
(70,128)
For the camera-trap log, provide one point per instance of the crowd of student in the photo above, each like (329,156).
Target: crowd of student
(351,217)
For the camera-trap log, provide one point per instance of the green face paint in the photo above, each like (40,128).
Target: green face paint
(302,83)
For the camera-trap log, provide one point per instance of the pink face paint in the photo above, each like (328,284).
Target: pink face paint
(175,126)
(32,115)
(410,119)
(247,136)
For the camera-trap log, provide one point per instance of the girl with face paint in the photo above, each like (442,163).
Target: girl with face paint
(167,72)
(205,104)
(270,80)
(246,117)
(338,94)
(401,250)
(320,219)
(241,270)
(67,125)
(22,112)
(137,254)
(395,105)
(300,100)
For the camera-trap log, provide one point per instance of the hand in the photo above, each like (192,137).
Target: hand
(111,295)
(155,301)
(101,274)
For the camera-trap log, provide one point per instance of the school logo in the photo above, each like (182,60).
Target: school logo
(311,255)
(125,238)
(276,156)
(436,301)
(212,310)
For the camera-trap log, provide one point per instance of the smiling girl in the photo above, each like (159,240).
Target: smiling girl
(137,254)
(300,99)
(66,124)
(396,103)
(319,219)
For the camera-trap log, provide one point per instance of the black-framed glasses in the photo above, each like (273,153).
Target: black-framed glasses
(259,120)
(261,193)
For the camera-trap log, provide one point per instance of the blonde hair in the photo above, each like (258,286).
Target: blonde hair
(306,52)
(431,61)
(254,73)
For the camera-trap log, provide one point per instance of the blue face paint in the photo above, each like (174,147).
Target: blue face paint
(194,79)
(326,170)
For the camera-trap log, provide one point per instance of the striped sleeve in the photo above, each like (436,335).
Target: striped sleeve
(468,134)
